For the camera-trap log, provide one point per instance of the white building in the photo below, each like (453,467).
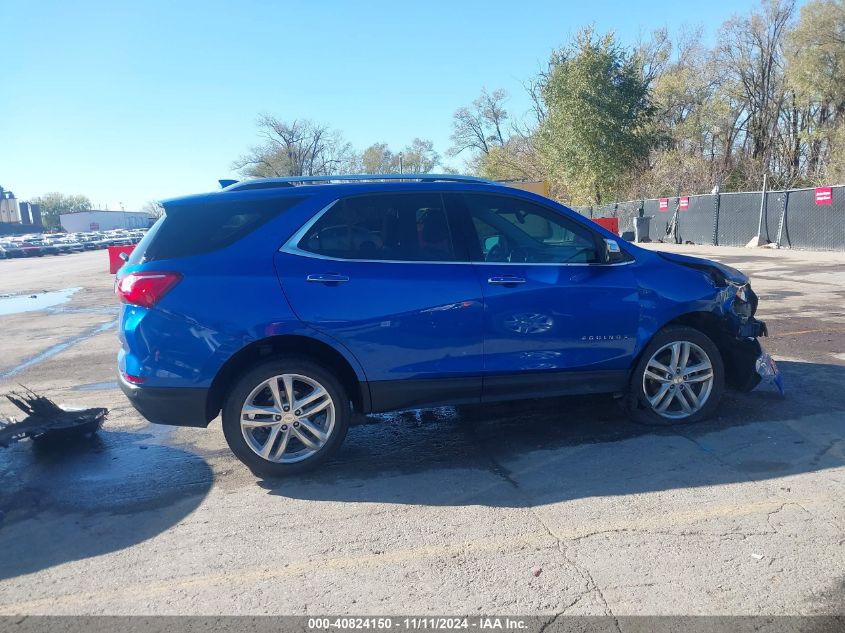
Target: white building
(105,220)
(9,209)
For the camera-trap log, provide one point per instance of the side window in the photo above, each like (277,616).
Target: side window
(519,231)
(399,227)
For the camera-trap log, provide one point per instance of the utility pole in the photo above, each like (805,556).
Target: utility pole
(401,163)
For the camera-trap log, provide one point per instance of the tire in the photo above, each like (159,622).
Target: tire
(644,390)
(246,440)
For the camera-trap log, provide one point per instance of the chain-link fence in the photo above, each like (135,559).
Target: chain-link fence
(798,218)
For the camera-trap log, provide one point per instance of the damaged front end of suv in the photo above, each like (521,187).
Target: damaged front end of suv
(737,333)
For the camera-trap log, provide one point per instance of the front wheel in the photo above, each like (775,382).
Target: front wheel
(680,378)
(285,417)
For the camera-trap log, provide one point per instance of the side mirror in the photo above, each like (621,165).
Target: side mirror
(613,253)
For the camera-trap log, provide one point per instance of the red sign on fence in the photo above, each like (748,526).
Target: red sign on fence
(683,203)
(824,195)
(611,224)
(664,204)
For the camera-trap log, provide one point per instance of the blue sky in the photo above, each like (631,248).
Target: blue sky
(129,102)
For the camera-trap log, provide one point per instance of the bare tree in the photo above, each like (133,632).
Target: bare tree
(153,209)
(750,51)
(480,127)
(654,54)
(299,148)
(534,89)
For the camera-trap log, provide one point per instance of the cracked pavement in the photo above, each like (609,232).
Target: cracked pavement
(432,512)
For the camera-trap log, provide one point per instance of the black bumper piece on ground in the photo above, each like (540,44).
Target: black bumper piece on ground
(174,406)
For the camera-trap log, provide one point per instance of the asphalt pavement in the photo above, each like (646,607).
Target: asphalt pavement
(557,507)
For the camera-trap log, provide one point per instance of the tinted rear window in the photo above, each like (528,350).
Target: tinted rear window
(196,229)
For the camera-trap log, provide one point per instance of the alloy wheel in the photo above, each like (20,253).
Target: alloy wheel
(287,418)
(678,379)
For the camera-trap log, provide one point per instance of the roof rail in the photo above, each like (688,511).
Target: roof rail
(292,181)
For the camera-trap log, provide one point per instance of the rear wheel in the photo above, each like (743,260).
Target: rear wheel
(679,379)
(285,417)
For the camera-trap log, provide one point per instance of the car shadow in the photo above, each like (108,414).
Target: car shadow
(70,500)
(519,454)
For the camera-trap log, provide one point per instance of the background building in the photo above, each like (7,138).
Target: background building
(31,214)
(105,220)
(540,187)
(9,208)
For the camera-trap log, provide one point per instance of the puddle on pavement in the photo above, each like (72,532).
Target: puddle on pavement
(15,304)
(97,386)
(58,348)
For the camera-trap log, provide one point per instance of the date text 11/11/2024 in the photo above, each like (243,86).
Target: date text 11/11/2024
(418,623)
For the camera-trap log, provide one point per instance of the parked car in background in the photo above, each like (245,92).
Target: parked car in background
(69,245)
(28,249)
(87,242)
(287,303)
(98,240)
(11,250)
(50,245)
(47,246)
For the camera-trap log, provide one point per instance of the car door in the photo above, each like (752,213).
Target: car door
(385,276)
(552,306)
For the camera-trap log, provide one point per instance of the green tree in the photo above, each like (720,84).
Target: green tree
(54,204)
(517,159)
(816,72)
(418,157)
(596,130)
(835,171)
(693,125)
(378,159)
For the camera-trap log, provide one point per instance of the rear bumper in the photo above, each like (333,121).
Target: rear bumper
(174,406)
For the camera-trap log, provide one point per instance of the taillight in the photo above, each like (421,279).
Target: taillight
(145,289)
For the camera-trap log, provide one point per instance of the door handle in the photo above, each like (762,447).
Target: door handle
(506,280)
(327,278)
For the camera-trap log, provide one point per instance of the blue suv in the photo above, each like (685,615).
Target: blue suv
(288,303)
